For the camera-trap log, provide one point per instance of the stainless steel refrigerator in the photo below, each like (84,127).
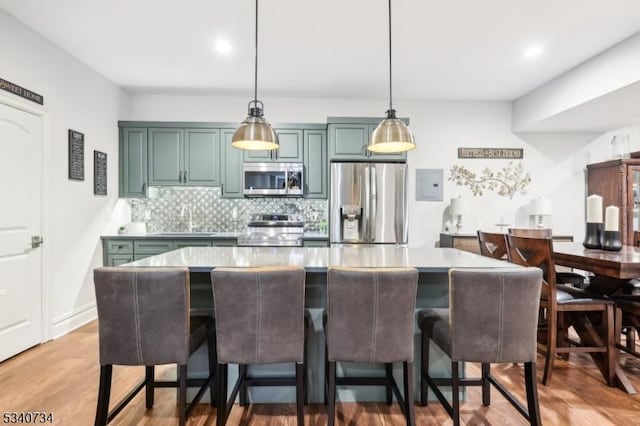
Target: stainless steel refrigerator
(368,203)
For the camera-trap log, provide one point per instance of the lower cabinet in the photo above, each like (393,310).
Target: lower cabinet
(315,243)
(120,251)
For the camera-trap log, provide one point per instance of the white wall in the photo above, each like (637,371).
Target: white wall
(556,161)
(78,98)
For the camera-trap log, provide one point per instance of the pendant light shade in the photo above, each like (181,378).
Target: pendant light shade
(255,132)
(391,135)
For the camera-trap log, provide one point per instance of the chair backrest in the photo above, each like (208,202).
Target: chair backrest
(531,232)
(143,315)
(636,238)
(259,314)
(492,245)
(493,314)
(536,252)
(370,314)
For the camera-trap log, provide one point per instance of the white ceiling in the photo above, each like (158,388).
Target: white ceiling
(465,49)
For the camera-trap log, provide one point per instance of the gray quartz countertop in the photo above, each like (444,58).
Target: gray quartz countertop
(196,235)
(318,259)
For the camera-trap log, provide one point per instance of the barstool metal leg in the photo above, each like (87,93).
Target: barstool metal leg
(213,363)
(531,385)
(182,394)
(455,393)
(424,368)
(242,373)
(407,371)
(388,368)
(486,385)
(300,371)
(331,410)
(221,411)
(149,385)
(104,391)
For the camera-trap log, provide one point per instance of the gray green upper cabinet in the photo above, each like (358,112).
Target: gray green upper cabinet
(315,164)
(290,151)
(133,162)
(348,141)
(184,157)
(231,167)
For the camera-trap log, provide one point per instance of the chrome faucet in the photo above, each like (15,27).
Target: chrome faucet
(190,215)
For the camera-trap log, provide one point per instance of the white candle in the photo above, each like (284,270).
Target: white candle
(594,209)
(611,219)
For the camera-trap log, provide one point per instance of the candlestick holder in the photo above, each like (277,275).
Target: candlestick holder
(611,241)
(593,236)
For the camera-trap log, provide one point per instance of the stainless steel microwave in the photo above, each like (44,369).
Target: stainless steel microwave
(271,179)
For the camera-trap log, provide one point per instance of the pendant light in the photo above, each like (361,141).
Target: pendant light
(255,133)
(391,135)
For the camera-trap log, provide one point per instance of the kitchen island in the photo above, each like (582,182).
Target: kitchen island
(432,264)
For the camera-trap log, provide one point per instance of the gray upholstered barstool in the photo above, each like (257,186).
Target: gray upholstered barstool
(144,319)
(260,319)
(370,319)
(492,318)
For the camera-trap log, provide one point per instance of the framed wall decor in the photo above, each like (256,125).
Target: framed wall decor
(76,155)
(99,173)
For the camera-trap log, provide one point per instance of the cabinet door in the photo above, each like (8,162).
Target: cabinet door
(315,164)
(230,167)
(150,247)
(118,259)
(348,141)
(396,156)
(290,150)
(227,242)
(165,156)
(201,157)
(291,146)
(133,162)
(178,244)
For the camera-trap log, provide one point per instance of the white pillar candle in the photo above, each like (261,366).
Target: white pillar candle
(611,219)
(594,209)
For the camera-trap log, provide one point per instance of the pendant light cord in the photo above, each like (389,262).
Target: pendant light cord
(390,83)
(255,75)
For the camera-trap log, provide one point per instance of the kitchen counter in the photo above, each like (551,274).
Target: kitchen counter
(197,235)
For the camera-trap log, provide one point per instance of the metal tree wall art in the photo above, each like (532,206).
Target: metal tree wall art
(507,182)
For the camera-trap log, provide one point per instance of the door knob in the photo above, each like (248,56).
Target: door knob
(36,241)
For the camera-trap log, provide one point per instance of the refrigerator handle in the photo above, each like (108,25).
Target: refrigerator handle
(366,218)
(373,199)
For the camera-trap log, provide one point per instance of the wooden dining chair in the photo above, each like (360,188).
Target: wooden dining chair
(493,245)
(557,301)
(628,311)
(564,277)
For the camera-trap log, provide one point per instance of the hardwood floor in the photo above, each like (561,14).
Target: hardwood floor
(61,377)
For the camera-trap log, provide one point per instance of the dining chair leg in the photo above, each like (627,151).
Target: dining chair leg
(563,336)
(550,355)
(182,394)
(455,393)
(407,372)
(608,336)
(104,391)
(331,409)
(486,385)
(149,385)
(531,385)
(300,370)
(388,368)
(326,375)
(424,368)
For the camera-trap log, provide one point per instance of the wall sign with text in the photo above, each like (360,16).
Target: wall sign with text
(500,153)
(76,155)
(21,91)
(99,173)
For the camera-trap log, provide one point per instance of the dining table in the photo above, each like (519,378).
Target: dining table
(617,267)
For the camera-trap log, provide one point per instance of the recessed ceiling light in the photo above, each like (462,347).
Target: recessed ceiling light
(223,46)
(533,51)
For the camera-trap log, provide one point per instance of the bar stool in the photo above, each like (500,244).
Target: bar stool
(143,319)
(370,319)
(260,319)
(491,318)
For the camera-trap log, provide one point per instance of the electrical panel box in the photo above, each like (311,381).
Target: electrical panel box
(429,184)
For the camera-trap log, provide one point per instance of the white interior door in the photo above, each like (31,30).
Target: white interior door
(20,220)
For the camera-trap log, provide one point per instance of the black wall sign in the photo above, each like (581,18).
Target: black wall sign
(76,155)
(21,91)
(99,173)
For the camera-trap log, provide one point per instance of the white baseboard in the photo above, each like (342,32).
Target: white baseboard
(74,319)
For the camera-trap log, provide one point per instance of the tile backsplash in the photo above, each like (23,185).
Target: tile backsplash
(163,210)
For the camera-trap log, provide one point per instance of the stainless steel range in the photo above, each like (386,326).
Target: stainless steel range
(275,230)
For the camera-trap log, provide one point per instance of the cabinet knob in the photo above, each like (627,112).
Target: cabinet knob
(184,176)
